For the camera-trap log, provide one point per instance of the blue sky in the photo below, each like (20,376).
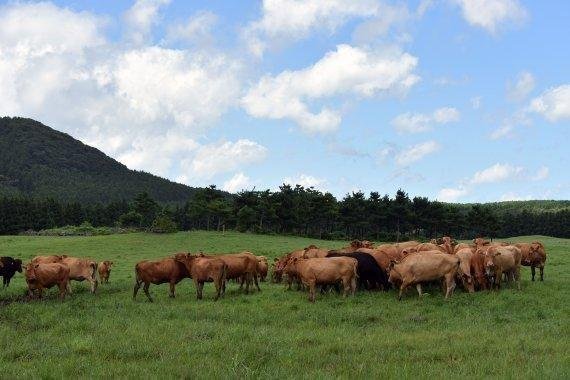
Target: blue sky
(457,100)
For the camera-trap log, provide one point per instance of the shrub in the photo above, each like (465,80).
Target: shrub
(163,224)
(130,219)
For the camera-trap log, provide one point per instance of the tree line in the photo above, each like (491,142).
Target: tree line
(297,210)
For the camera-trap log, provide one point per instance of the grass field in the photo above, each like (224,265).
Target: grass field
(276,333)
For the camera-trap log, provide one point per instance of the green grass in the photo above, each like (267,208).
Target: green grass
(275,333)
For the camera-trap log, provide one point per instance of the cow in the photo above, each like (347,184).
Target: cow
(407,244)
(383,256)
(370,275)
(79,269)
(533,255)
(204,269)
(425,247)
(429,266)
(465,255)
(478,270)
(8,268)
(41,276)
(315,252)
(500,260)
(241,266)
(104,269)
(326,271)
(163,271)
(460,246)
(262,267)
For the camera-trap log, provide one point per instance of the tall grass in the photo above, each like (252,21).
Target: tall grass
(275,333)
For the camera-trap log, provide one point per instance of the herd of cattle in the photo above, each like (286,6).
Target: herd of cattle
(479,266)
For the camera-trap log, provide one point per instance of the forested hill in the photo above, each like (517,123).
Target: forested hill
(40,162)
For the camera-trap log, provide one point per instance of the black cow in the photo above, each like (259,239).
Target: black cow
(370,275)
(8,268)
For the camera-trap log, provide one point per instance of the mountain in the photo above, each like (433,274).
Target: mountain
(38,161)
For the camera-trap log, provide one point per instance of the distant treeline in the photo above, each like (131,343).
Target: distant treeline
(299,211)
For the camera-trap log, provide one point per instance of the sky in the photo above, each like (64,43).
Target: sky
(456,100)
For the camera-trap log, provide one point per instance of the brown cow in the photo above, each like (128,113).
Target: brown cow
(79,269)
(478,270)
(383,256)
(242,266)
(315,252)
(425,247)
(462,246)
(104,269)
(429,266)
(41,276)
(499,260)
(163,271)
(326,271)
(465,255)
(533,255)
(204,269)
(262,267)
(407,244)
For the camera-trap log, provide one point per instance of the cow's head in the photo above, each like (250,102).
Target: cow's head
(394,276)
(536,252)
(17,265)
(31,276)
(489,261)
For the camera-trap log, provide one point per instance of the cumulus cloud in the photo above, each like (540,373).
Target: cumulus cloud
(290,20)
(492,14)
(213,159)
(141,17)
(197,29)
(144,105)
(452,194)
(512,196)
(237,183)
(496,173)
(417,122)
(416,152)
(521,88)
(306,181)
(542,174)
(553,104)
(346,71)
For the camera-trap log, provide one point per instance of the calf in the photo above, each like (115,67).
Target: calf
(8,268)
(326,271)
(104,269)
(533,255)
(163,271)
(204,269)
(428,266)
(499,260)
(41,276)
(262,267)
(370,275)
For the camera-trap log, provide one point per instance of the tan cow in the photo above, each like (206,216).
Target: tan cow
(465,255)
(326,271)
(79,269)
(262,267)
(425,247)
(163,271)
(104,269)
(428,266)
(462,246)
(478,270)
(314,252)
(204,269)
(533,256)
(41,276)
(502,260)
(407,244)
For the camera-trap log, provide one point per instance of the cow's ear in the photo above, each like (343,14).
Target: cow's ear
(392,263)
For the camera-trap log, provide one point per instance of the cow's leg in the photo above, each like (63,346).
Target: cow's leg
(450,285)
(4,283)
(532,271)
(541,273)
(353,285)
(145,288)
(247,282)
(199,287)
(403,287)
(241,281)
(136,289)
(69,287)
(419,289)
(218,285)
(93,285)
(40,293)
(172,288)
(345,286)
(312,286)
(255,281)
(62,290)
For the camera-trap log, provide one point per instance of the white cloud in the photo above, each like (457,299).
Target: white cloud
(522,88)
(492,14)
(416,152)
(347,70)
(290,20)
(541,174)
(452,194)
(417,122)
(496,173)
(553,104)
(197,29)
(237,183)
(386,17)
(512,196)
(141,17)
(306,181)
(476,102)
(213,159)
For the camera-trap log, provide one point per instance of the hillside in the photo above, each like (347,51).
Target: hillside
(38,161)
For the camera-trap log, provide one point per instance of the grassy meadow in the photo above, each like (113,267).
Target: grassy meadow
(275,333)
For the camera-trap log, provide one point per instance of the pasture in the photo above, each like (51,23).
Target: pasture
(276,333)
